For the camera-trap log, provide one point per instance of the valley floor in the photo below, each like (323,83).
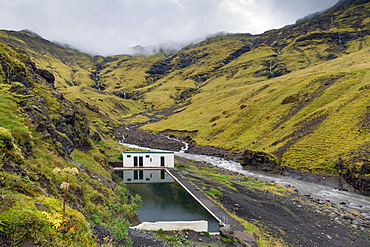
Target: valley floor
(297,219)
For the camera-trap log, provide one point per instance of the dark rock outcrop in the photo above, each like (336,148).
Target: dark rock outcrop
(62,122)
(356,174)
(260,161)
(48,76)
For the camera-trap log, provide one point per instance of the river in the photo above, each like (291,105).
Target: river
(347,199)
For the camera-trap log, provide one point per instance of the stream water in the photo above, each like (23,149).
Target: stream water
(342,198)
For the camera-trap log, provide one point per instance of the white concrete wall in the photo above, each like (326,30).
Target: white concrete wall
(148,159)
(198,226)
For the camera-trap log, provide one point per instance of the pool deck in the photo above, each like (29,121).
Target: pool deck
(220,215)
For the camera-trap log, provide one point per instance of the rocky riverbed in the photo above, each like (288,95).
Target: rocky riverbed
(299,220)
(135,136)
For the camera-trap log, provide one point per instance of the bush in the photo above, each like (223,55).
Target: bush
(23,221)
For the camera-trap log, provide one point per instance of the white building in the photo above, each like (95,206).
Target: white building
(148,159)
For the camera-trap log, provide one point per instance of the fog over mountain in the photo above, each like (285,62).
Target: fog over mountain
(114,26)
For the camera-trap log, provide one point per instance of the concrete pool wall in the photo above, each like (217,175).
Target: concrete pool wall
(209,224)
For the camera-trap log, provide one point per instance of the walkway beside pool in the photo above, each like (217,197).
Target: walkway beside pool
(211,207)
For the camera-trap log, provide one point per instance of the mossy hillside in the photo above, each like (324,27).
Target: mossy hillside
(126,73)
(258,118)
(73,71)
(102,108)
(28,158)
(231,80)
(272,54)
(70,67)
(20,212)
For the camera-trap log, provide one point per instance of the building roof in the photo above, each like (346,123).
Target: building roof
(149,152)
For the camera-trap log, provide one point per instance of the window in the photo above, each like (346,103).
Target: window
(147,156)
(128,156)
(163,173)
(162,160)
(128,179)
(136,176)
(141,161)
(141,175)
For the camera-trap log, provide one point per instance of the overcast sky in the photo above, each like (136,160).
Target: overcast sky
(110,27)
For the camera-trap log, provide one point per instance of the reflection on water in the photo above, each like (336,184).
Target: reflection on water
(144,176)
(166,201)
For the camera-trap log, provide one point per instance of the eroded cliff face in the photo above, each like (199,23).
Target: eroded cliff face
(51,114)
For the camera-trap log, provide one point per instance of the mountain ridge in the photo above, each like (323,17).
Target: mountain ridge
(221,65)
(294,98)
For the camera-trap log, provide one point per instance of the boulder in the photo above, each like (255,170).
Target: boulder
(227,232)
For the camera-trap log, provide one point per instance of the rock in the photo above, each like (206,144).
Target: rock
(95,136)
(267,161)
(290,99)
(356,222)
(49,77)
(248,239)
(227,232)
(57,95)
(41,207)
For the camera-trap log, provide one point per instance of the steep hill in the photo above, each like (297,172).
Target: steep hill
(298,94)
(50,155)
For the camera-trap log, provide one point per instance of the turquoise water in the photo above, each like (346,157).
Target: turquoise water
(169,202)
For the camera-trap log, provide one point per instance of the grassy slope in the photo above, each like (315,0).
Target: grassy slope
(73,71)
(244,110)
(236,85)
(27,159)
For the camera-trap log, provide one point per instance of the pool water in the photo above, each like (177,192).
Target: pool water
(169,201)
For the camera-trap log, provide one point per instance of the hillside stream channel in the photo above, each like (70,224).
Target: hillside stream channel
(345,199)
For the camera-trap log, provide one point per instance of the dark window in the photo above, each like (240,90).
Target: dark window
(162,160)
(136,174)
(141,175)
(163,173)
(141,161)
(129,179)
(128,156)
(147,156)
(135,161)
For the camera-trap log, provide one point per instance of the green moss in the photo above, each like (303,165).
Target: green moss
(89,160)
(24,222)
(214,193)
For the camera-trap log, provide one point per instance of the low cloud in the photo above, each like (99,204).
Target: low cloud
(114,26)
